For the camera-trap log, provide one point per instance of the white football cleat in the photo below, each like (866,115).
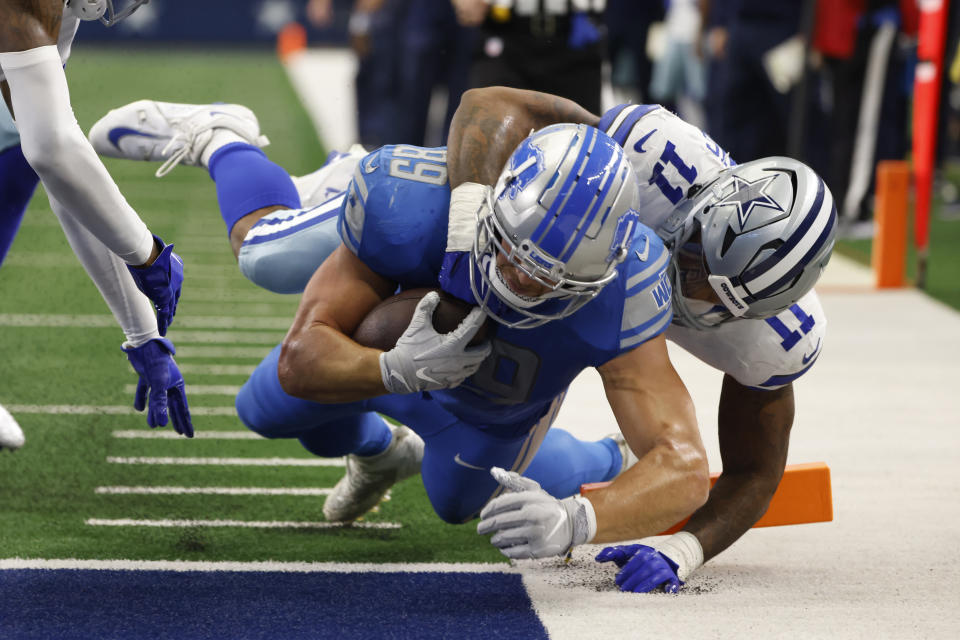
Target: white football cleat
(369,477)
(627,455)
(170,132)
(11,435)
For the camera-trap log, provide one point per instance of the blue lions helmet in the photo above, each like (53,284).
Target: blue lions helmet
(103,10)
(758,237)
(563,212)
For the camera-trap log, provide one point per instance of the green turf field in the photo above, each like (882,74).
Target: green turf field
(66,494)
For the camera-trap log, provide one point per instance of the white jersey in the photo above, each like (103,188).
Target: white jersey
(764,354)
(670,156)
(68,31)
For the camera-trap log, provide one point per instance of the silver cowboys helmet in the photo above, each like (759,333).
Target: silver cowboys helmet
(103,10)
(563,212)
(759,235)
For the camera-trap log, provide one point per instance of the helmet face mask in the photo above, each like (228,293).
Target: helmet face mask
(764,230)
(104,10)
(562,215)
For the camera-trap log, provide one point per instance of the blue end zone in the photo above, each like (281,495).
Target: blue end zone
(169,604)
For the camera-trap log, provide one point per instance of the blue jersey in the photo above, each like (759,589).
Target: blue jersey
(394,218)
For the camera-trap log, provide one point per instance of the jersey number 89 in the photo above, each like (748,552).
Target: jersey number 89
(419,164)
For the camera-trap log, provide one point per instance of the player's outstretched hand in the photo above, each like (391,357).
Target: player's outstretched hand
(528,522)
(162,382)
(424,360)
(161,282)
(642,568)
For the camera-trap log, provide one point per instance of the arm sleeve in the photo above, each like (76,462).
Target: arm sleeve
(58,151)
(132,309)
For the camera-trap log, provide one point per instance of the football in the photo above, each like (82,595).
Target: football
(387,321)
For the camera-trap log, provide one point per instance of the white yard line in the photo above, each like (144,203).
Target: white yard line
(224,337)
(200,389)
(271,566)
(249,462)
(154,434)
(185,322)
(213,491)
(245,524)
(225,294)
(217,369)
(78,410)
(191,351)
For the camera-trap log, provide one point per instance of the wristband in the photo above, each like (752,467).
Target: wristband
(465,200)
(684,549)
(585,521)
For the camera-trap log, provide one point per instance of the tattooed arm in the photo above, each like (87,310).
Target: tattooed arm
(490,123)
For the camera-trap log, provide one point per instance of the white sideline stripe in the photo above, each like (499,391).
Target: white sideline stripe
(247,524)
(212,491)
(199,389)
(78,410)
(8,564)
(331,105)
(218,369)
(250,462)
(225,337)
(186,322)
(190,351)
(153,434)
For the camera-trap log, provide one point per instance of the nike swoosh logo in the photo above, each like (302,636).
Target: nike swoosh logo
(808,358)
(639,146)
(646,250)
(370,164)
(423,376)
(462,463)
(117,133)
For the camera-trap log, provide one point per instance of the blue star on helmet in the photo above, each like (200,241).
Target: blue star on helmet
(526,163)
(747,196)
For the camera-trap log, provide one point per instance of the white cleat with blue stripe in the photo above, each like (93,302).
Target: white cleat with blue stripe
(169,132)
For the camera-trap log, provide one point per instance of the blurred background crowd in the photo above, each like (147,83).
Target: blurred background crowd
(826,81)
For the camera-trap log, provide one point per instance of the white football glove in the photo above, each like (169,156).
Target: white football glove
(424,360)
(530,523)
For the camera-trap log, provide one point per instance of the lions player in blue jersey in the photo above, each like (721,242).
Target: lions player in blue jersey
(555,257)
(748,241)
(114,245)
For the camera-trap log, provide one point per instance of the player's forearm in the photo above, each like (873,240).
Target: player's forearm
(489,124)
(754,431)
(735,504)
(321,364)
(59,152)
(132,310)
(663,487)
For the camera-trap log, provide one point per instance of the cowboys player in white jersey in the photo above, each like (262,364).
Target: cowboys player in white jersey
(117,249)
(744,268)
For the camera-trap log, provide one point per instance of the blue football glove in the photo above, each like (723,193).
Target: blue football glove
(153,361)
(642,568)
(161,282)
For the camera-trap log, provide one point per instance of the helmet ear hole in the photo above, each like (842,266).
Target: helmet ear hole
(728,239)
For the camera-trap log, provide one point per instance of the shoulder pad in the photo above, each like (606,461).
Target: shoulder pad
(646,289)
(668,154)
(764,354)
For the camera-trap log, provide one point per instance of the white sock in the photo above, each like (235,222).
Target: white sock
(221,137)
